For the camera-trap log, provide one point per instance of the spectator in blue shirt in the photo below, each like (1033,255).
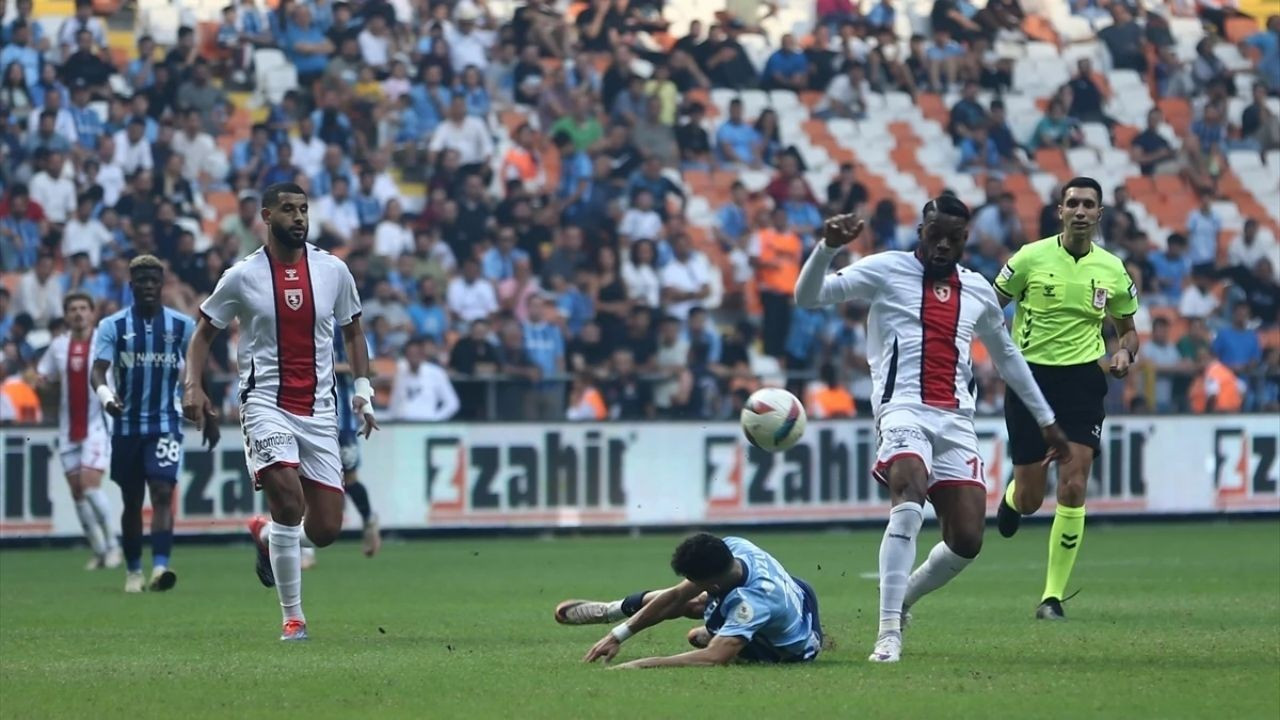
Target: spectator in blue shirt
(732,223)
(967,113)
(882,16)
(284,170)
(1238,346)
(1172,268)
(575,304)
(544,344)
(19,50)
(787,68)
(804,337)
(431,100)
(19,234)
(700,329)
(803,217)
(738,142)
(1203,226)
(1210,130)
(650,177)
(306,45)
(472,88)
(1268,43)
(979,153)
(425,312)
(574,191)
(499,262)
(254,156)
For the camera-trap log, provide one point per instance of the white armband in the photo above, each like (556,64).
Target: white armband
(621,633)
(364,389)
(106,395)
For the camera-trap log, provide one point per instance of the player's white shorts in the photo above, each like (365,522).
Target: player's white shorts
(945,441)
(275,437)
(92,453)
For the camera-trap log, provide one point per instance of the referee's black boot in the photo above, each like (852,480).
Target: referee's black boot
(1007,519)
(1050,609)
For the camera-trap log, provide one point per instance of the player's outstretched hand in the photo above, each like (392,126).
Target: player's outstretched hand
(364,410)
(1059,446)
(606,649)
(840,230)
(1120,363)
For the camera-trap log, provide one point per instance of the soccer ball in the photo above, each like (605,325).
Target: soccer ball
(773,419)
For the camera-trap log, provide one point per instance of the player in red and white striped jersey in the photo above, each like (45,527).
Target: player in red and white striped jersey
(83,441)
(925,311)
(287,297)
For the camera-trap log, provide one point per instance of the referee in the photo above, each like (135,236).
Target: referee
(1065,286)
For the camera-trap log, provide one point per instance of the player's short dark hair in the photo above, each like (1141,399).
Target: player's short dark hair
(74,296)
(701,557)
(1083,182)
(271,196)
(946,205)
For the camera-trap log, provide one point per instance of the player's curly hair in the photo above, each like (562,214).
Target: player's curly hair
(701,557)
(145,262)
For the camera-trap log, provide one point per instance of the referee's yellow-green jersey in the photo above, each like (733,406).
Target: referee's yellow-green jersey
(1062,301)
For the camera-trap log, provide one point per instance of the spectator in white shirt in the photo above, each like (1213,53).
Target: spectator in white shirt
(422,391)
(639,274)
(686,279)
(40,292)
(335,216)
(82,20)
(1198,299)
(308,149)
(132,151)
(55,193)
(392,238)
(375,42)
(385,187)
(471,297)
(846,96)
(640,221)
(200,154)
(466,134)
(63,123)
(468,45)
(104,172)
(84,233)
(1254,244)
(1203,226)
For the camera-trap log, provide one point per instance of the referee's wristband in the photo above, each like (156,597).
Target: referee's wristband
(621,632)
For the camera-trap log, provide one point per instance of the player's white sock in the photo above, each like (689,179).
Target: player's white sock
(97,498)
(89,522)
(897,555)
(286,563)
(265,536)
(937,570)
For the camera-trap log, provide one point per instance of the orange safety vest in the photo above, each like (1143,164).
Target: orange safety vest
(1229,398)
(523,162)
(833,402)
(784,250)
(23,398)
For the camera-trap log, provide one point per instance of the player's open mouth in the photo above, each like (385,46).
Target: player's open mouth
(298,232)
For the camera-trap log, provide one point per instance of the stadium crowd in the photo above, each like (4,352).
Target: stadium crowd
(506,188)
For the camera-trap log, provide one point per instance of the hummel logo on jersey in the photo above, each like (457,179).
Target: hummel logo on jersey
(290,274)
(293,298)
(942,291)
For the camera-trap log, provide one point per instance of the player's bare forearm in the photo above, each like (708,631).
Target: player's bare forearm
(721,651)
(1128,332)
(198,353)
(98,376)
(357,351)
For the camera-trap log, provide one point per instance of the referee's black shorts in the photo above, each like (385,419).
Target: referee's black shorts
(1075,392)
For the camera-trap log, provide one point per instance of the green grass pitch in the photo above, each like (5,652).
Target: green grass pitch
(1175,621)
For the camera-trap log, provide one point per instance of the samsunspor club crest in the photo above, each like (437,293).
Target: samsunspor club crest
(293,298)
(942,291)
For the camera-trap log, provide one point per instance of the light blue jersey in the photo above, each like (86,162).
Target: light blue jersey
(345,389)
(774,612)
(147,356)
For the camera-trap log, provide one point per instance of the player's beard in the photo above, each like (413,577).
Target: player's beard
(284,236)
